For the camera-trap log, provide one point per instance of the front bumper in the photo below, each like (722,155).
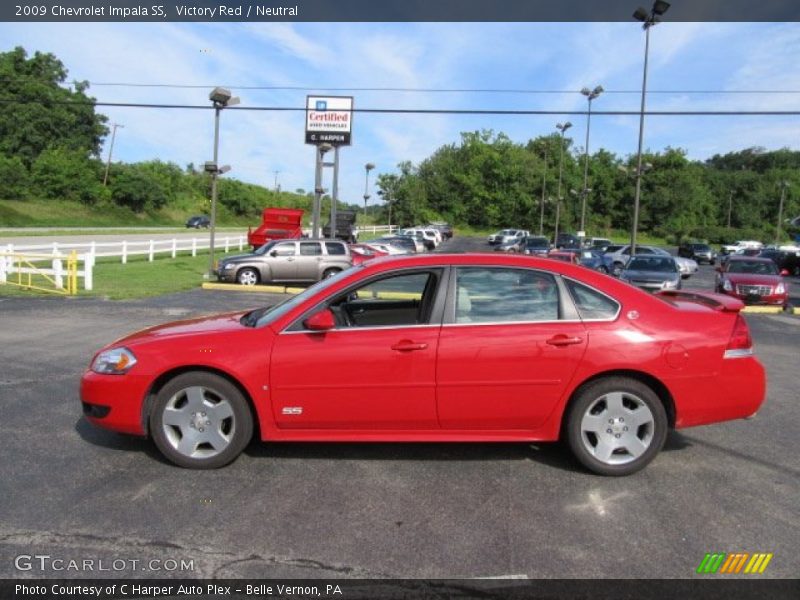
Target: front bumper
(114,402)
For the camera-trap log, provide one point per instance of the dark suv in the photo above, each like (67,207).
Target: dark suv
(697,251)
(198,221)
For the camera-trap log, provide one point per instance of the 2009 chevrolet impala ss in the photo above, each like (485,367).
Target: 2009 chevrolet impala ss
(468,347)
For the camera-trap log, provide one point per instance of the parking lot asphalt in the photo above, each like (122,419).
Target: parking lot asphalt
(74,492)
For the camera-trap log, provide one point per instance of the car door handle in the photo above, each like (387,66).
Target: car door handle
(564,340)
(289,260)
(408,346)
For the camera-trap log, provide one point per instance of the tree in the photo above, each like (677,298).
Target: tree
(39,113)
(66,174)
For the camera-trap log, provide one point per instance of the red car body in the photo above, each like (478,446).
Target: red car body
(364,252)
(445,381)
(753,280)
(564,256)
(276,224)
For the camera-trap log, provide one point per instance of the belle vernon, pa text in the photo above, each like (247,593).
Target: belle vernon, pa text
(136,590)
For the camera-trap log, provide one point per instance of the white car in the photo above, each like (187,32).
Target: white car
(432,236)
(620,254)
(742,245)
(507,235)
(388,248)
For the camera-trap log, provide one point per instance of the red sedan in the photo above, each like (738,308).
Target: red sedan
(467,347)
(753,280)
(364,252)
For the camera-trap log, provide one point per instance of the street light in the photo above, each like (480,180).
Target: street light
(367,167)
(220,98)
(320,151)
(544,189)
(590,95)
(110,150)
(562,128)
(783,185)
(647,20)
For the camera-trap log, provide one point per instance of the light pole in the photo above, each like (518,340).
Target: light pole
(590,95)
(367,168)
(783,185)
(648,20)
(220,98)
(730,207)
(276,180)
(544,188)
(562,128)
(110,150)
(320,151)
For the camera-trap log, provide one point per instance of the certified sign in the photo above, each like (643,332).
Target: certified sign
(329,120)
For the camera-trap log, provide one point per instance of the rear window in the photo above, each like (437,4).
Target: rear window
(335,249)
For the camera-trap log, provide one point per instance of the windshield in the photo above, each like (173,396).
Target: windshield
(613,248)
(752,267)
(265,316)
(701,247)
(652,263)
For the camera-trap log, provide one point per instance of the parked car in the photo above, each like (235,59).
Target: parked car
(568,256)
(362,252)
(403,243)
(596,243)
(388,248)
(652,272)
(417,241)
(286,261)
(507,235)
(567,240)
(536,245)
(617,255)
(430,237)
(407,349)
(445,228)
(697,251)
(515,244)
(741,245)
(753,280)
(783,259)
(198,221)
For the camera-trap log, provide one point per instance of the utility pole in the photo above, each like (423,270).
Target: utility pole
(783,185)
(544,187)
(730,207)
(276,180)
(110,150)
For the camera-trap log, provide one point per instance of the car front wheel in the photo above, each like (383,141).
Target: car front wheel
(247,277)
(200,421)
(616,426)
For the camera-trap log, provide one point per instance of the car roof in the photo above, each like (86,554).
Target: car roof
(743,258)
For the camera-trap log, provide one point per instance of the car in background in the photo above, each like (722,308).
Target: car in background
(595,243)
(617,257)
(507,235)
(697,251)
(652,272)
(783,258)
(444,228)
(198,221)
(567,240)
(406,242)
(753,280)
(516,244)
(429,237)
(536,245)
(568,256)
(741,245)
(363,252)
(405,349)
(392,247)
(286,261)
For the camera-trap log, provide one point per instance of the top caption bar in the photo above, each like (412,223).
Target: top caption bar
(390,10)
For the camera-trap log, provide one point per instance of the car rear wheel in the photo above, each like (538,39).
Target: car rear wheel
(616,426)
(200,421)
(330,273)
(247,277)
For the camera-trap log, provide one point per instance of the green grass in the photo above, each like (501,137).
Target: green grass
(121,231)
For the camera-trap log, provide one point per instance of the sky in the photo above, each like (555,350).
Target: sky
(562,57)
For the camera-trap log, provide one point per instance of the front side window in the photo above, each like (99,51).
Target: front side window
(284,250)
(496,295)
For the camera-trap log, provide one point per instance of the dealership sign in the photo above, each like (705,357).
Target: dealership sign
(329,120)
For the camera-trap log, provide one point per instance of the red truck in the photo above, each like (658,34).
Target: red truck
(276,224)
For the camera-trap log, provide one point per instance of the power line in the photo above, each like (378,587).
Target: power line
(403,89)
(421,111)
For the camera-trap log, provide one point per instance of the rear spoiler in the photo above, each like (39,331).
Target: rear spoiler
(719,302)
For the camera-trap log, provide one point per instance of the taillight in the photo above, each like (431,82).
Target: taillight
(740,344)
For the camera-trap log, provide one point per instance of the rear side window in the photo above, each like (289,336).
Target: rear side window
(591,304)
(310,249)
(334,249)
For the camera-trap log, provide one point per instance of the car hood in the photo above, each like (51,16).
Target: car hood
(751,279)
(239,257)
(213,324)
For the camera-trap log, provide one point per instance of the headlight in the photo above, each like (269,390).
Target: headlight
(117,361)
(669,285)
(726,285)
(780,289)
(228,266)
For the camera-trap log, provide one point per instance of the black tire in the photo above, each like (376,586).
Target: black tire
(248,276)
(227,436)
(330,273)
(595,403)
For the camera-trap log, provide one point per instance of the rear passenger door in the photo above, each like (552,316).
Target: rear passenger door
(508,349)
(309,261)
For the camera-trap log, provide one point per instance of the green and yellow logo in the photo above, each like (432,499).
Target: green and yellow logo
(736,562)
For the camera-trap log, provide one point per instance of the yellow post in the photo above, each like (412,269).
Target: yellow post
(72,273)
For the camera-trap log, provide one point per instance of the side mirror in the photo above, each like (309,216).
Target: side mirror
(784,272)
(321,321)
(274,253)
